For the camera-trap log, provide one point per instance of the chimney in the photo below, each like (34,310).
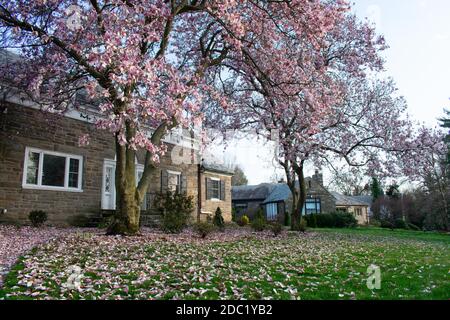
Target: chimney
(318,177)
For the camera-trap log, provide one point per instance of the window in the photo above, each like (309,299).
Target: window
(174,181)
(271,211)
(215,189)
(313,205)
(52,170)
(358,211)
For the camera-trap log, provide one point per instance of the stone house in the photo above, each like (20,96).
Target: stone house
(354,205)
(42,167)
(276,200)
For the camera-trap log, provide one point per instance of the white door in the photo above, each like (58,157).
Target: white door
(109,185)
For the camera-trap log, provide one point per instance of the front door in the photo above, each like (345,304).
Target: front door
(109,184)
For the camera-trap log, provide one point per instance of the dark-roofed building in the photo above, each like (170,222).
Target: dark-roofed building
(276,199)
(354,205)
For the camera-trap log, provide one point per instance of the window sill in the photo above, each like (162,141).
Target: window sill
(46,188)
(215,200)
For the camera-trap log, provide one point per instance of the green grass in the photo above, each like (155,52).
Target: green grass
(323,264)
(397,233)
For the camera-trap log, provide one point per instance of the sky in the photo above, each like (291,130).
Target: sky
(418,33)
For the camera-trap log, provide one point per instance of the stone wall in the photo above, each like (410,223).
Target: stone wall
(22,127)
(208,207)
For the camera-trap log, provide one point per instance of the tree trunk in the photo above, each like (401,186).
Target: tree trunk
(298,205)
(126,217)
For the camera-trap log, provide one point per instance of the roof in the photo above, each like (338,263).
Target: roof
(342,200)
(215,167)
(280,192)
(259,192)
(364,199)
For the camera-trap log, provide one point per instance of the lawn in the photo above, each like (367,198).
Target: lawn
(324,264)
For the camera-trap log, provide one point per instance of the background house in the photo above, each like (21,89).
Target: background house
(353,205)
(276,200)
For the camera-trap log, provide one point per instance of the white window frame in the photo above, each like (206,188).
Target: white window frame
(174,173)
(272,211)
(39,185)
(212,198)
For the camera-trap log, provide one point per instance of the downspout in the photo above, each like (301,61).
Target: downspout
(199,196)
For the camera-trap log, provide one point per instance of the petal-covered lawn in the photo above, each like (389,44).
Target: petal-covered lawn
(237,264)
(15,241)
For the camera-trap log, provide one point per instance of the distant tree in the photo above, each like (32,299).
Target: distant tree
(376,189)
(239,178)
(352,182)
(393,191)
(445,123)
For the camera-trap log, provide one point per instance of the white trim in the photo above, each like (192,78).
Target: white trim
(178,173)
(215,179)
(39,185)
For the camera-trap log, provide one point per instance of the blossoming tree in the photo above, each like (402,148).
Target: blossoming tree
(150,64)
(329,105)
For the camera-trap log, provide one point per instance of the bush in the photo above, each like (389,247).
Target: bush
(259,222)
(218,220)
(344,220)
(400,224)
(386,224)
(243,221)
(203,229)
(412,226)
(311,219)
(375,223)
(105,222)
(303,225)
(37,218)
(233,214)
(287,219)
(276,228)
(176,209)
(332,220)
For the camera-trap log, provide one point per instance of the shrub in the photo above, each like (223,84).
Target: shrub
(176,209)
(37,218)
(344,220)
(303,225)
(233,214)
(243,221)
(311,219)
(287,219)
(276,228)
(333,220)
(105,222)
(218,220)
(375,223)
(412,226)
(203,229)
(386,224)
(400,224)
(259,222)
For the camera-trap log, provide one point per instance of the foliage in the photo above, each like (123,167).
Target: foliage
(176,209)
(311,220)
(233,214)
(203,229)
(239,178)
(302,225)
(412,226)
(218,220)
(386,224)
(276,228)
(105,222)
(37,218)
(335,220)
(374,222)
(287,219)
(259,221)
(400,224)
(376,189)
(243,221)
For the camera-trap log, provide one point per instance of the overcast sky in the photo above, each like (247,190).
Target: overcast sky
(418,33)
